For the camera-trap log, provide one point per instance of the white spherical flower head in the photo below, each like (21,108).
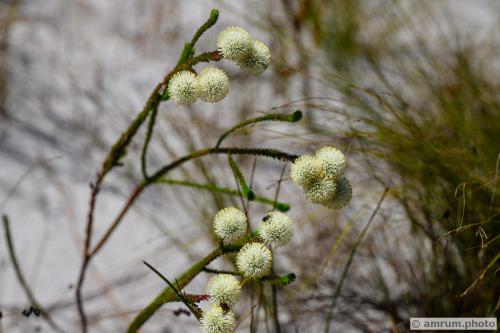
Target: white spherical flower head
(342,196)
(305,171)
(254,260)
(212,84)
(321,191)
(234,43)
(332,161)
(257,59)
(182,87)
(215,320)
(276,229)
(224,289)
(230,224)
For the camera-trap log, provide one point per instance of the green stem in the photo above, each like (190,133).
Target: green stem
(292,117)
(149,133)
(247,192)
(281,206)
(272,153)
(167,295)
(219,271)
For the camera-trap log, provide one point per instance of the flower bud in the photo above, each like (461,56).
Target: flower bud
(321,191)
(276,229)
(254,260)
(234,43)
(182,87)
(212,84)
(342,196)
(224,289)
(333,162)
(230,224)
(215,320)
(305,171)
(257,59)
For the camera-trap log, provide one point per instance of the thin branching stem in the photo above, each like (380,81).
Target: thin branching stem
(20,277)
(349,261)
(118,151)
(272,153)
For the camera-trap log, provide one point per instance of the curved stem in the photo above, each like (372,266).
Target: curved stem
(149,133)
(292,117)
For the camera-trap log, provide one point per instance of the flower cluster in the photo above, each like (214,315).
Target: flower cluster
(251,55)
(212,84)
(320,176)
(254,260)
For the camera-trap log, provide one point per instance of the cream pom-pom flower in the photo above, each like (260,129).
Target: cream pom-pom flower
(321,191)
(234,43)
(215,320)
(212,84)
(182,87)
(342,196)
(333,162)
(224,289)
(257,59)
(276,229)
(254,260)
(230,224)
(305,171)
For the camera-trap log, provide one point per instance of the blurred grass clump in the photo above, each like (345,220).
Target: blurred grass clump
(429,126)
(421,94)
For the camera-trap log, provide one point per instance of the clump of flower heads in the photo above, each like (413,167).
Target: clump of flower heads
(320,177)
(230,224)
(254,261)
(224,289)
(276,229)
(251,55)
(212,84)
(216,320)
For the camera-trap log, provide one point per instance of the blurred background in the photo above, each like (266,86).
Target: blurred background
(408,89)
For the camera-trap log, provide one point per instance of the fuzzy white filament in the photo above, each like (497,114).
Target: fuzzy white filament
(212,84)
(276,229)
(254,260)
(215,320)
(182,87)
(230,224)
(224,289)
